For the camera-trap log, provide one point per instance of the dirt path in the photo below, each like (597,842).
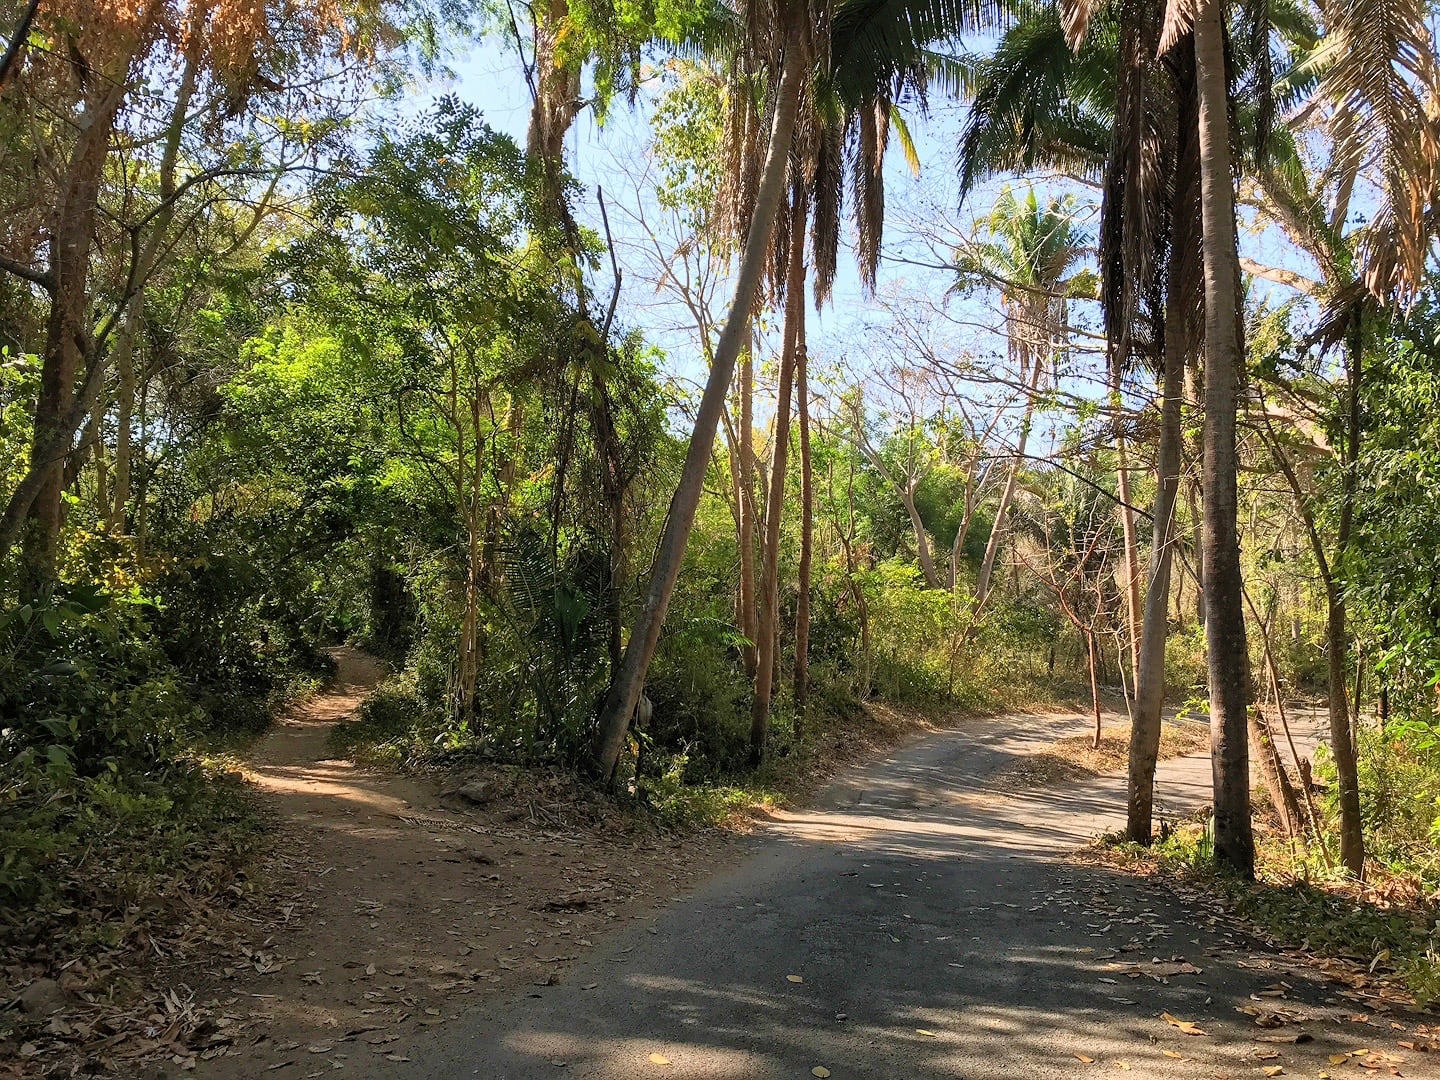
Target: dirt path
(384,907)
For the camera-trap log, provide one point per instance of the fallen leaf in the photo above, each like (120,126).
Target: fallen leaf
(794,979)
(820,1071)
(1274,1070)
(659,1059)
(1185,1027)
(1339,1059)
(1085,1060)
(1173,1054)
(927,1034)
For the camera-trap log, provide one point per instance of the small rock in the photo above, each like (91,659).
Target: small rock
(472,792)
(42,997)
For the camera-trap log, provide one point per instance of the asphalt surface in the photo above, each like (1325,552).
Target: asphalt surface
(923,922)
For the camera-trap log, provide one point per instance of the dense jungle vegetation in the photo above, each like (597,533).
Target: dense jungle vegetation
(656,480)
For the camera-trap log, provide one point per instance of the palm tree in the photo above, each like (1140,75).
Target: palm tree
(1124,110)
(1380,70)
(1038,102)
(788,50)
(1227,653)
(855,53)
(1030,255)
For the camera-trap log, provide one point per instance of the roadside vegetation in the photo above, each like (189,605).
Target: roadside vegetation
(295,353)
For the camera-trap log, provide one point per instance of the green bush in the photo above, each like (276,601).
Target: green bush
(80,850)
(396,725)
(82,685)
(1399,770)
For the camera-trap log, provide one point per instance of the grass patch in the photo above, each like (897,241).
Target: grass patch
(389,730)
(1381,937)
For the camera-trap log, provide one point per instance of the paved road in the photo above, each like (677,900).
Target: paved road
(938,932)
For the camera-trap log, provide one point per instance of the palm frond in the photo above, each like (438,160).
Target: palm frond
(874,43)
(1378,68)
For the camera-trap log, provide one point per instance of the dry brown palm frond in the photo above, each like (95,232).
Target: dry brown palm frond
(1179,20)
(1075,16)
(828,193)
(869,163)
(1378,67)
(1135,210)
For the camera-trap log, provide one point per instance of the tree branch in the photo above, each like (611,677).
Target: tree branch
(43,278)
(17,41)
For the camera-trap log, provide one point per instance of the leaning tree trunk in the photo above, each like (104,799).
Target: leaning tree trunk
(1273,775)
(767,640)
(1182,333)
(997,531)
(1145,719)
(923,553)
(1342,729)
(625,688)
(70,240)
(1224,605)
(807,534)
(746,473)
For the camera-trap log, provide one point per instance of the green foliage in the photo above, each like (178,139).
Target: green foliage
(80,852)
(84,689)
(1394,571)
(1399,769)
(394,726)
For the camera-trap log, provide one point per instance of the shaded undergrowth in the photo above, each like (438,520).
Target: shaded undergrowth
(1380,937)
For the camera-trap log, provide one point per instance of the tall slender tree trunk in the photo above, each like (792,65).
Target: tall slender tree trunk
(1145,719)
(125,381)
(767,640)
(1224,606)
(997,531)
(1182,333)
(94,438)
(1132,547)
(807,535)
(1092,664)
(1342,730)
(625,688)
(1342,736)
(962,533)
(746,473)
(1195,394)
(557,101)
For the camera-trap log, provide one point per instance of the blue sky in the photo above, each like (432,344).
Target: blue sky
(852,328)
